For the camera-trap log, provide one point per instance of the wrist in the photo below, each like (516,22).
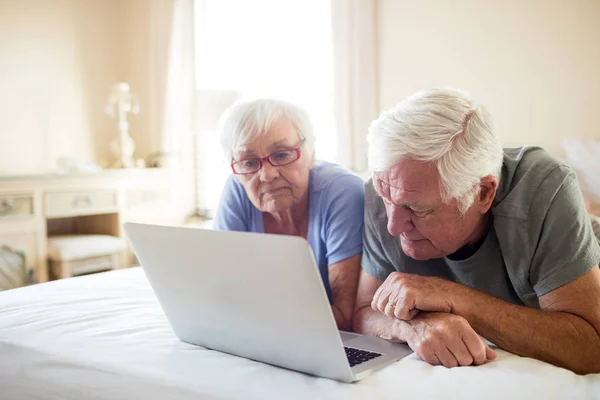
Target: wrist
(462,298)
(403,330)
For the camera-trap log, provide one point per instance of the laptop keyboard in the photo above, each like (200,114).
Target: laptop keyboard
(356,356)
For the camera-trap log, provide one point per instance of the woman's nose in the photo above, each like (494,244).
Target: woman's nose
(268,172)
(399,220)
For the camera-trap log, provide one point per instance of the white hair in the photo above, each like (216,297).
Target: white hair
(247,120)
(443,126)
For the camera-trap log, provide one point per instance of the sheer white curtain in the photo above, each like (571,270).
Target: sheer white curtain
(159,64)
(279,48)
(178,102)
(159,44)
(355,66)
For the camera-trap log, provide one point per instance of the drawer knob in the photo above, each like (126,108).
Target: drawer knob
(8,205)
(82,201)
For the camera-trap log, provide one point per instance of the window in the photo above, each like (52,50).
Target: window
(280,48)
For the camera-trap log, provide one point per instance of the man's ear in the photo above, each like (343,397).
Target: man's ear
(488,185)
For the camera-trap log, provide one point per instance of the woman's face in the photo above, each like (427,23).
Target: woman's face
(276,189)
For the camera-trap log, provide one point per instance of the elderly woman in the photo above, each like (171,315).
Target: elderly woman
(277,187)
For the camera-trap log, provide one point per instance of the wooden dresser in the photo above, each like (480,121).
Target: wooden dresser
(33,207)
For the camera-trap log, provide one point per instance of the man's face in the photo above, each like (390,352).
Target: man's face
(425,226)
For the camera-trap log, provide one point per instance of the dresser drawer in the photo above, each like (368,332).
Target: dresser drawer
(81,203)
(16,206)
(147,199)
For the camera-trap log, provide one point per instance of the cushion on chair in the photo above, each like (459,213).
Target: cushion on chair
(76,247)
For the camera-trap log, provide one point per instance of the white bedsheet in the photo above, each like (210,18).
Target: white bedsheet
(104,336)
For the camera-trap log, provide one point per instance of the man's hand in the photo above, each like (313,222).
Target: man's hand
(438,338)
(446,339)
(404,295)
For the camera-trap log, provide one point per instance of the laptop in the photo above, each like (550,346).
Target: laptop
(258,296)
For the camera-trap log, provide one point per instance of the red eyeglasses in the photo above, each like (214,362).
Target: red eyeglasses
(276,159)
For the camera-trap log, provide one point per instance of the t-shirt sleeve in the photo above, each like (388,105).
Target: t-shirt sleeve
(231,212)
(374,260)
(567,247)
(344,204)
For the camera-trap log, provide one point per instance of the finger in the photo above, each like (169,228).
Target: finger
(461,352)
(446,357)
(374,302)
(404,309)
(476,347)
(389,305)
(489,353)
(389,310)
(427,355)
(377,297)
(382,304)
(413,313)
(402,313)
(430,358)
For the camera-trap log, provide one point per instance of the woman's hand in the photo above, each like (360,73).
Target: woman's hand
(343,279)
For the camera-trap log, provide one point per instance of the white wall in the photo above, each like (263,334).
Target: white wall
(57,60)
(137,67)
(535,64)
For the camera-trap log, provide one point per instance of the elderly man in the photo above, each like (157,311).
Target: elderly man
(464,240)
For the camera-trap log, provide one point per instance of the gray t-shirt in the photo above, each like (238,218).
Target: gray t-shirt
(540,237)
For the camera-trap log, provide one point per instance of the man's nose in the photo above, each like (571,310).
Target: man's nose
(399,220)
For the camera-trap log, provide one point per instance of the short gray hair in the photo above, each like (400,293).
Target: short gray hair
(443,126)
(246,120)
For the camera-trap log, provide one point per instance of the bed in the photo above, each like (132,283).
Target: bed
(104,336)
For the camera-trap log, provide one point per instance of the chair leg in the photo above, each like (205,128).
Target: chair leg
(66,270)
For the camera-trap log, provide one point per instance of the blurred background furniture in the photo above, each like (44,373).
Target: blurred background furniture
(71,255)
(35,208)
(12,269)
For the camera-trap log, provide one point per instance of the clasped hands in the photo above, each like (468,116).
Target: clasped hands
(432,327)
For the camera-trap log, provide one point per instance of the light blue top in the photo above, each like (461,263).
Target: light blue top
(336,208)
